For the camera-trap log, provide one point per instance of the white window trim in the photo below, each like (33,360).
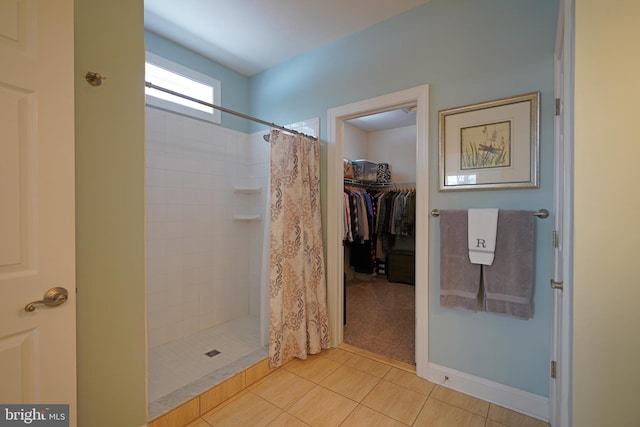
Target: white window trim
(214,116)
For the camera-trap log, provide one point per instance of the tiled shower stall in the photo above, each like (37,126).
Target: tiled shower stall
(206,196)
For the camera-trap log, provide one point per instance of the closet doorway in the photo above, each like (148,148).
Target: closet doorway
(340,122)
(379,235)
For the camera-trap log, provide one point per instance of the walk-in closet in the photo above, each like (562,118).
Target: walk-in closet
(379,233)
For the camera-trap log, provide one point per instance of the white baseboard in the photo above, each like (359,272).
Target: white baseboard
(500,394)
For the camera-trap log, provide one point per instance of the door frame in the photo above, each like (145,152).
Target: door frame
(559,388)
(335,256)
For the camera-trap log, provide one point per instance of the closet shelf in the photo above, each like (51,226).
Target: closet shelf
(348,181)
(247,190)
(399,186)
(246,218)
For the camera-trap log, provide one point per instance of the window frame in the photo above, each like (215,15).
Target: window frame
(215,116)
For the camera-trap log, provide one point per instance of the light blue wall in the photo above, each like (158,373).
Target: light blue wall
(234,86)
(468,51)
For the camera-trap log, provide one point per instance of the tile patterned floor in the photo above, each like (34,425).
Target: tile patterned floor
(343,388)
(180,369)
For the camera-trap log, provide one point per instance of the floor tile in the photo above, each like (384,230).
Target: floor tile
(181,415)
(350,382)
(287,420)
(198,423)
(176,364)
(258,371)
(513,419)
(369,366)
(246,409)
(324,391)
(395,401)
(380,358)
(322,408)
(282,388)
(439,414)
(315,368)
(336,354)
(409,380)
(461,400)
(366,417)
(220,393)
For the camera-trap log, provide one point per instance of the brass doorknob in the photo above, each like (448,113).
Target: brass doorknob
(52,298)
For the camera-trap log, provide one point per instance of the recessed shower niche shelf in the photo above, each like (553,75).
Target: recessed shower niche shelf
(247,190)
(246,218)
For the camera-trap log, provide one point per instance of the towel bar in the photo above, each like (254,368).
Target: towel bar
(542,213)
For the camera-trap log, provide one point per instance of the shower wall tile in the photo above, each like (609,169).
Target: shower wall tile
(155,230)
(190,326)
(155,197)
(173,246)
(154,251)
(155,211)
(155,157)
(200,262)
(156,178)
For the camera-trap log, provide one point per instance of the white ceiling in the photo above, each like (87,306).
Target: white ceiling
(250,36)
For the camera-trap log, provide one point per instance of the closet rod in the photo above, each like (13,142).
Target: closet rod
(225,110)
(542,213)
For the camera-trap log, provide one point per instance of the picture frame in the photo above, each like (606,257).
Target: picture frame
(491,145)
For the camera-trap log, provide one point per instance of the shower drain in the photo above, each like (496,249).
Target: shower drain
(212,353)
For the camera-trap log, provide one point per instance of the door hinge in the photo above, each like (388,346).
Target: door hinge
(558,106)
(556,285)
(556,239)
(554,369)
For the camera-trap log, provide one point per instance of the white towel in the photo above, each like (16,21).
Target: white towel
(483,225)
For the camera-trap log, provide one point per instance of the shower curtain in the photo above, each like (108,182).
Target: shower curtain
(299,324)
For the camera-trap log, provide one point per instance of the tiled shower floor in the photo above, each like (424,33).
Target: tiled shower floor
(180,369)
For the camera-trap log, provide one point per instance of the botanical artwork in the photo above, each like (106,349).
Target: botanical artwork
(490,145)
(485,146)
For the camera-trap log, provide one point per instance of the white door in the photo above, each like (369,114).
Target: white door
(37,224)
(558,394)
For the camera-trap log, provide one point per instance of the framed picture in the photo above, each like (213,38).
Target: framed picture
(491,145)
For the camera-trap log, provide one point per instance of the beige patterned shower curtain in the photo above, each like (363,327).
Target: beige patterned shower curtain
(299,323)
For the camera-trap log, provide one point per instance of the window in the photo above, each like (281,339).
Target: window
(167,74)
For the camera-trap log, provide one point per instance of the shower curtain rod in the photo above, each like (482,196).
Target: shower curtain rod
(225,110)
